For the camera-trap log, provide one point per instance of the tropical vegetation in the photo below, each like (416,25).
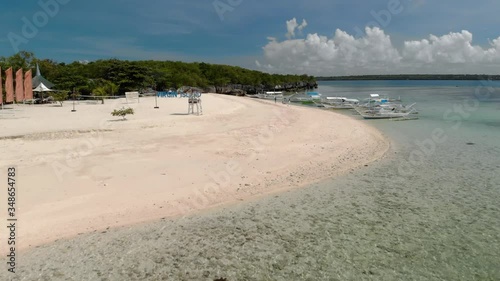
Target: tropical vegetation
(115,77)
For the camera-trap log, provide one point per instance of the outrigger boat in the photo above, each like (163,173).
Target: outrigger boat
(337,103)
(307,96)
(384,114)
(267,95)
(375,102)
(376,99)
(381,108)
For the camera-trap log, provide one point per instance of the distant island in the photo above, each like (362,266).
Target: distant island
(412,77)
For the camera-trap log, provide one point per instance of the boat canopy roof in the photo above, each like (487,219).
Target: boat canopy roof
(342,99)
(313,94)
(352,100)
(336,98)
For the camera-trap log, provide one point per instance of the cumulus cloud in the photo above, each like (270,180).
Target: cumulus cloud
(265,67)
(302,25)
(292,25)
(316,52)
(450,48)
(375,53)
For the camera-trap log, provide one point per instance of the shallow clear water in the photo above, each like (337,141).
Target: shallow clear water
(430,210)
(465,110)
(454,182)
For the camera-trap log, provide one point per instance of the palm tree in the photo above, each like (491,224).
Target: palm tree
(108,89)
(111,88)
(100,92)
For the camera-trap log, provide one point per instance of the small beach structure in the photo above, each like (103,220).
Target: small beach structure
(194,100)
(39,79)
(132,97)
(40,84)
(41,88)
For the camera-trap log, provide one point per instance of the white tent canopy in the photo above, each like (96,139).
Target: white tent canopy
(42,88)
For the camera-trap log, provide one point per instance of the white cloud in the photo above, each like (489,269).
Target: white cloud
(266,67)
(302,25)
(450,48)
(292,25)
(319,54)
(375,53)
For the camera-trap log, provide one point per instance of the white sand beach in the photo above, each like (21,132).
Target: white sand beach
(86,170)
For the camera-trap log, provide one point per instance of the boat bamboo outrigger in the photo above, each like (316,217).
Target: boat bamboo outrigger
(382,108)
(337,103)
(383,114)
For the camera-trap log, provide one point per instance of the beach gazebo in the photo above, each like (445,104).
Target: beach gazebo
(40,84)
(39,79)
(42,88)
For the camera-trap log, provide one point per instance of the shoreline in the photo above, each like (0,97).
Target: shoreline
(259,142)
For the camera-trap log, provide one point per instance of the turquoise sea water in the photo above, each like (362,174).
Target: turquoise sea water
(466,110)
(430,210)
(436,198)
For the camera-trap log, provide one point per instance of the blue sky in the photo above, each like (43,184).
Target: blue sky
(193,30)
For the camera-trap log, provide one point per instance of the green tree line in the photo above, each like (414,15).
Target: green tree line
(118,76)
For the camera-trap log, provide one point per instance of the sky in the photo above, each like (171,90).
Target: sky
(315,37)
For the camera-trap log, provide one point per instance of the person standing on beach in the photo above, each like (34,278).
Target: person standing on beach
(274,99)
